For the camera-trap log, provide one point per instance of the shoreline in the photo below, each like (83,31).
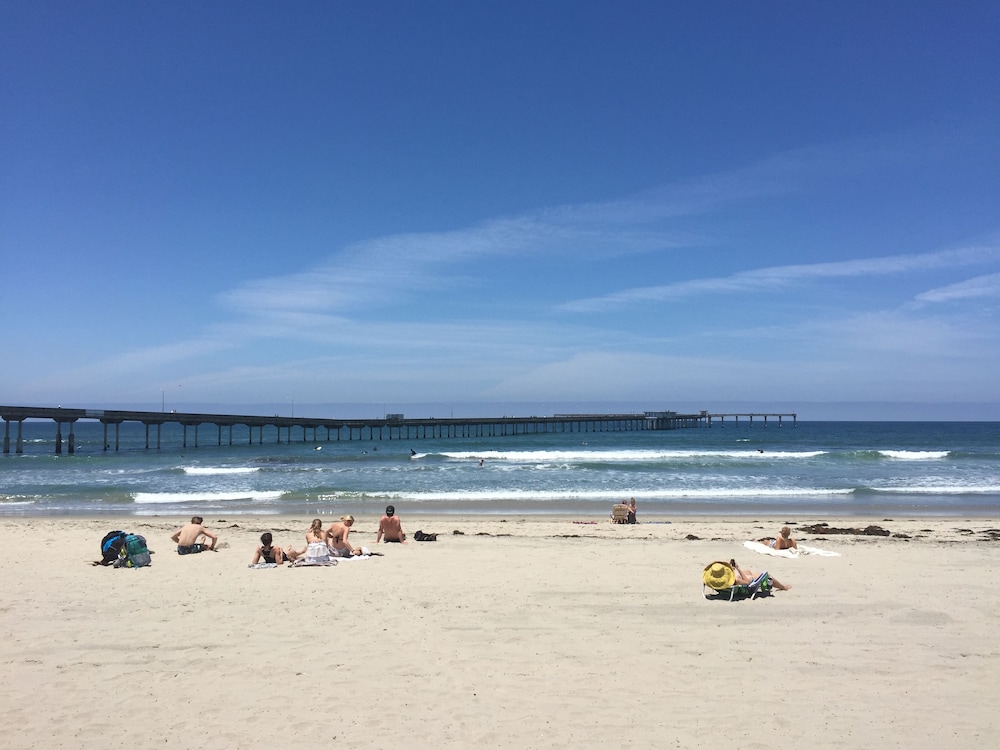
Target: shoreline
(517,632)
(649,512)
(841,528)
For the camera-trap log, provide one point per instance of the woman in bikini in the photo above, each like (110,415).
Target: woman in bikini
(747,576)
(317,549)
(268,553)
(782,541)
(337,535)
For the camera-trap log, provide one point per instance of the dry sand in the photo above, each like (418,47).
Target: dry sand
(528,633)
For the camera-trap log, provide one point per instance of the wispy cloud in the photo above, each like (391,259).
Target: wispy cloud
(980,286)
(765,279)
(363,321)
(403,265)
(410,264)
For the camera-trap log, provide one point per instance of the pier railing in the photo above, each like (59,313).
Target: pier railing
(391,427)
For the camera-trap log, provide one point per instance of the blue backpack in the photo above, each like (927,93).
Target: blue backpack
(111,547)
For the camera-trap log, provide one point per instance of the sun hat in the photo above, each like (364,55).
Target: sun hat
(718,576)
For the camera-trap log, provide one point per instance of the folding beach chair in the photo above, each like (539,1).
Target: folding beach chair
(719,582)
(619,513)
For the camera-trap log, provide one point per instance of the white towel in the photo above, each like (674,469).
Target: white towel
(817,551)
(303,562)
(802,550)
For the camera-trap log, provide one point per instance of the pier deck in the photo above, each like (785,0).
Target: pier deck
(391,427)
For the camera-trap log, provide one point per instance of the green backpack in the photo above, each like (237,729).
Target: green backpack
(135,554)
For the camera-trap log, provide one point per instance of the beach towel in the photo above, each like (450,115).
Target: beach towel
(262,566)
(317,555)
(802,550)
(307,563)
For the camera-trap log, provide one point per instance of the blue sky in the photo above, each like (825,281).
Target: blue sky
(653,204)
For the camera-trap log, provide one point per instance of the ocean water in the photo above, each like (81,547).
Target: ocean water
(814,468)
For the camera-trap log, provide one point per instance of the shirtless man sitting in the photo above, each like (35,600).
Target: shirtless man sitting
(390,528)
(191,538)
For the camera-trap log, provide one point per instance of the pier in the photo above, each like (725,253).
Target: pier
(749,416)
(389,427)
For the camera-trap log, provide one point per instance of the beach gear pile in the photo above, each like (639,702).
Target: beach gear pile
(120,549)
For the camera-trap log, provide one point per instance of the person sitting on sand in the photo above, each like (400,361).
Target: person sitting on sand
(782,541)
(317,549)
(191,538)
(337,537)
(390,528)
(747,576)
(270,554)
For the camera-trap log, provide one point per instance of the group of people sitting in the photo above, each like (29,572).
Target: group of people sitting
(322,545)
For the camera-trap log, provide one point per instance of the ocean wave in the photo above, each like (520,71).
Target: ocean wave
(985,489)
(915,455)
(204,471)
(611,456)
(474,496)
(145,498)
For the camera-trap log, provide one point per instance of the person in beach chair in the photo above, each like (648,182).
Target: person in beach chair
(619,513)
(729,581)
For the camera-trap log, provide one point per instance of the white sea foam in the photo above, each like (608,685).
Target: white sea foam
(202,497)
(915,455)
(625,456)
(204,471)
(515,495)
(984,489)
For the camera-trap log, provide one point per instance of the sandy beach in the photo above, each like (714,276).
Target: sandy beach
(515,632)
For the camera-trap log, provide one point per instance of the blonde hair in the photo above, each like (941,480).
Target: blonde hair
(786,532)
(316,526)
(347,519)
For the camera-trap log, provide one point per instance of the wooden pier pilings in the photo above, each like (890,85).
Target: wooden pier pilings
(722,418)
(390,427)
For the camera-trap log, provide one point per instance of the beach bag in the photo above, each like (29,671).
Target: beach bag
(136,554)
(111,547)
(420,536)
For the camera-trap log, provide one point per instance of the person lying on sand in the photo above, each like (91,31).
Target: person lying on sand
(747,576)
(782,541)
